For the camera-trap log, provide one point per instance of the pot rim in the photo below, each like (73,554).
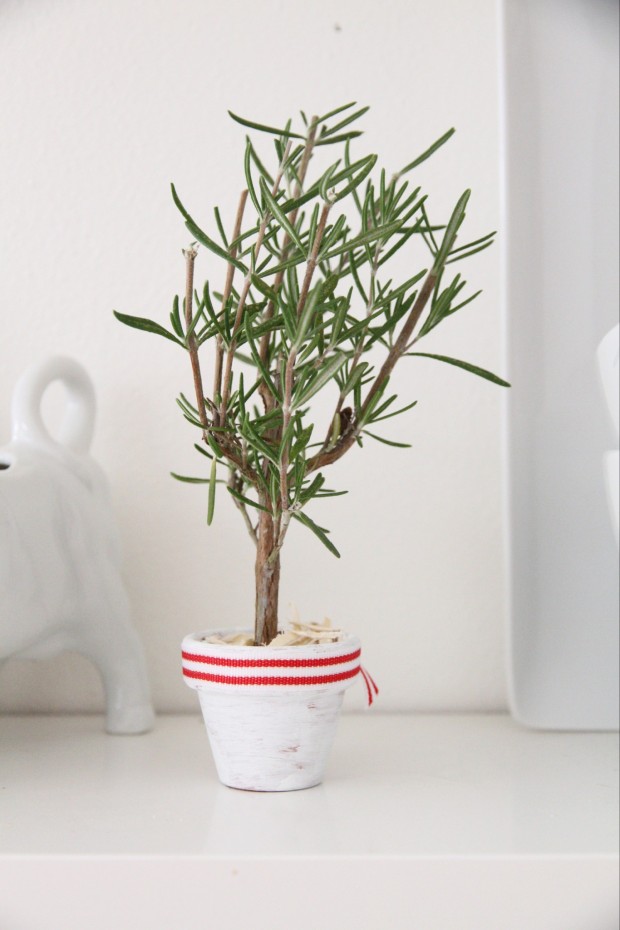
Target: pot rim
(346,643)
(219,666)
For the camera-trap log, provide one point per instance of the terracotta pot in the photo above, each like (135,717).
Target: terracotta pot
(271,713)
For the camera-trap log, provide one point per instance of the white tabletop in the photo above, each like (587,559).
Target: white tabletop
(457,790)
(396,785)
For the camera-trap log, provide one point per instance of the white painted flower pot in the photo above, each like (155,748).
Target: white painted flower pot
(271,714)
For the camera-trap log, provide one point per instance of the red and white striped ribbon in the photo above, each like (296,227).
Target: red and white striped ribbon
(205,665)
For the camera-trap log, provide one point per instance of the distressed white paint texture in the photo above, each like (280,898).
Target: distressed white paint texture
(271,742)
(102,105)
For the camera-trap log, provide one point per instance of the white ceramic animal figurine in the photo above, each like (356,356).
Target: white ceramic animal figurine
(60,580)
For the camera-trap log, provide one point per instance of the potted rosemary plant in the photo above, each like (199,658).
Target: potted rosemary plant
(307,305)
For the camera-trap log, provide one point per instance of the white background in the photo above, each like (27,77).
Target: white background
(102,105)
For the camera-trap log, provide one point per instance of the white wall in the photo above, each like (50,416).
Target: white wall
(102,105)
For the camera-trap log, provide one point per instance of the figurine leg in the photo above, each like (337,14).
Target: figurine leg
(114,647)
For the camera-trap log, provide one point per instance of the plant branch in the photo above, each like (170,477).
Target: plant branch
(219,348)
(286,512)
(235,483)
(245,291)
(192,342)
(235,457)
(277,281)
(399,348)
(313,259)
(232,453)
(331,439)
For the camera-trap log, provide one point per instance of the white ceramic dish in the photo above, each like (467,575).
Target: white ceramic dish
(560,238)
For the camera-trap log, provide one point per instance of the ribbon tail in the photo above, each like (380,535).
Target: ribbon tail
(371,686)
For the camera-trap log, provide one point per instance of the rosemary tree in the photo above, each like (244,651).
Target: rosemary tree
(307,305)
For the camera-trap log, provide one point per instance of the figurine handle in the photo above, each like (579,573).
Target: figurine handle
(79,418)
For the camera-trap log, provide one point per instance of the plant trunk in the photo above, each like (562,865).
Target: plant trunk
(267,582)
